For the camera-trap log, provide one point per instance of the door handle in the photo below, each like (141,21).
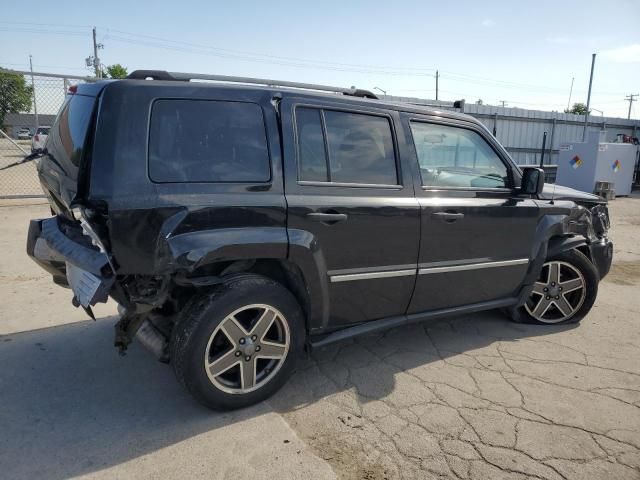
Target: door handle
(328,218)
(447,216)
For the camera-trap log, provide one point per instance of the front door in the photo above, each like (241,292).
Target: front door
(345,186)
(477,233)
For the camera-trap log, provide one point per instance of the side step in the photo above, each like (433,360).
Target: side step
(392,322)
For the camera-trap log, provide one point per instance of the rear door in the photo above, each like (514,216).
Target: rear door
(345,186)
(477,233)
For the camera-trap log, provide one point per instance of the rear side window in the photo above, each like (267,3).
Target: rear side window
(359,147)
(207,141)
(311,150)
(67,136)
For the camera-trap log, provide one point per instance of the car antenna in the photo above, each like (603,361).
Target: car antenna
(553,193)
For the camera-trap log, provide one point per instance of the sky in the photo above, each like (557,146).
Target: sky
(524,53)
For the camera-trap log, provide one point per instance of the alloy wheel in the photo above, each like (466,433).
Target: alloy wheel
(558,294)
(247,349)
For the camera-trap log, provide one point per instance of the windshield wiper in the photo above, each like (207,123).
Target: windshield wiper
(38,153)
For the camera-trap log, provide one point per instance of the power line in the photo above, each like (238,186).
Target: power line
(272,60)
(131,38)
(182,46)
(8,22)
(48,32)
(25,66)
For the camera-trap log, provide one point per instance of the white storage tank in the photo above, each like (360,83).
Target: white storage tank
(582,164)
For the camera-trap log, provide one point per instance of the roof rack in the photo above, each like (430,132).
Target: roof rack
(185,77)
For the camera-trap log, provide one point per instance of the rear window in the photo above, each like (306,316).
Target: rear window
(67,135)
(43,131)
(207,141)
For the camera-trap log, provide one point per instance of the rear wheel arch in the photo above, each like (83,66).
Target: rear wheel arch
(192,338)
(282,271)
(291,277)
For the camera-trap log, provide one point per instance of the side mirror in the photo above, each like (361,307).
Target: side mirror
(532,181)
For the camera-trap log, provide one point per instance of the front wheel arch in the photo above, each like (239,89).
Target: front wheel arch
(588,271)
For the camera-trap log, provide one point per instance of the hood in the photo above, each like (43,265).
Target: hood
(558,192)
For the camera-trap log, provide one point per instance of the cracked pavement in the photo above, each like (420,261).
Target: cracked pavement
(477,397)
(471,397)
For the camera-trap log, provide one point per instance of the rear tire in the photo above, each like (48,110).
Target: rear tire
(238,345)
(564,293)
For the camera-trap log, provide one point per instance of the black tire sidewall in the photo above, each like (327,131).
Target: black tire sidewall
(591,278)
(205,313)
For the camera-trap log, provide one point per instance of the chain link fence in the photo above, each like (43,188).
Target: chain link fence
(28,106)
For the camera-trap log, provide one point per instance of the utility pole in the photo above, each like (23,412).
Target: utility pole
(570,92)
(33,85)
(586,114)
(437,77)
(503,102)
(96,60)
(631,98)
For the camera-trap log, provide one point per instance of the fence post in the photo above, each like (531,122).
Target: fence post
(553,132)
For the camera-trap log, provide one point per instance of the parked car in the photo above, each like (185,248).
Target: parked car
(236,225)
(40,138)
(24,134)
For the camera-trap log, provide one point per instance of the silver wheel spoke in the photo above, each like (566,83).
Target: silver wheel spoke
(540,300)
(233,330)
(539,288)
(272,350)
(542,307)
(249,359)
(565,308)
(263,324)
(571,285)
(222,364)
(248,373)
(554,272)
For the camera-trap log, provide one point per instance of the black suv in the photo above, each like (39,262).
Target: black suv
(236,224)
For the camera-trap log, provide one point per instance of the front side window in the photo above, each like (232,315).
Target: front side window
(207,141)
(359,147)
(456,157)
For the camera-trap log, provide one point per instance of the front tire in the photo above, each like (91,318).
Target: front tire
(239,344)
(564,292)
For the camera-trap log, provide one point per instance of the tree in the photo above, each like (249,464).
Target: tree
(577,109)
(479,102)
(115,71)
(15,94)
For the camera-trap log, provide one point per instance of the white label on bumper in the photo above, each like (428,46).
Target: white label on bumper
(84,284)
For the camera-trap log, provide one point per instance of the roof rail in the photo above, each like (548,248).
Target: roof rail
(185,77)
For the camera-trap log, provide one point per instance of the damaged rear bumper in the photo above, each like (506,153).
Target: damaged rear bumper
(85,270)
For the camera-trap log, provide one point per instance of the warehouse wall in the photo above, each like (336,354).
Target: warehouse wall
(520,131)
